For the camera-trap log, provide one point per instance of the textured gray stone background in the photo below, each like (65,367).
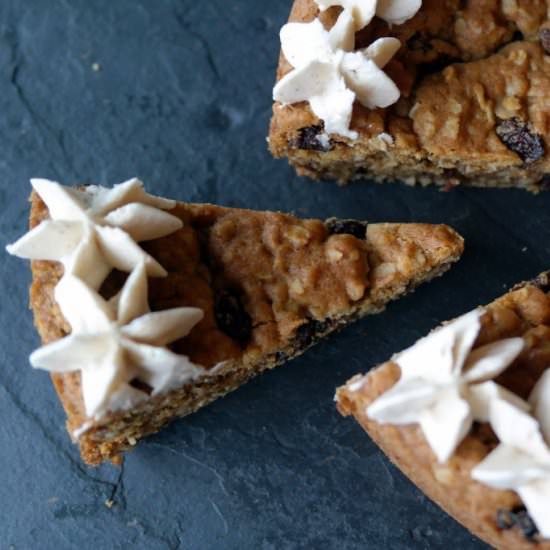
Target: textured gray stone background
(182,99)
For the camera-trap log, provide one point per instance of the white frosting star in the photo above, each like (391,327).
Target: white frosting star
(330,76)
(94,230)
(521,462)
(113,343)
(443,385)
(393,11)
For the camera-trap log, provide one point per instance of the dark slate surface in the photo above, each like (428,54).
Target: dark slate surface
(180,96)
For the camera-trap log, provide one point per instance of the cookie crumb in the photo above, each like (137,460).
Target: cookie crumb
(109,503)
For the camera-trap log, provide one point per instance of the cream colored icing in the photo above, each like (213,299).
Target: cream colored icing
(330,76)
(216,370)
(113,343)
(94,230)
(395,12)
(445,386)
(521,462)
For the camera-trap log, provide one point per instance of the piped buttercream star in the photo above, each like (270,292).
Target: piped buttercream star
(330,76)
(94,230)
(444,385)
(521,462)
(114,343)
(395,12)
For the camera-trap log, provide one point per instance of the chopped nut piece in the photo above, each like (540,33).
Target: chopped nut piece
(334,255)
(296,287)
(533,305)
(355,290)
(443,474)
(298,235)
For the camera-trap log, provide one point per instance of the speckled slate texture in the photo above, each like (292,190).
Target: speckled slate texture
(178,93)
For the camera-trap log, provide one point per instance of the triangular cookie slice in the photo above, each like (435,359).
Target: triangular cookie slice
(465,415)
(269,285)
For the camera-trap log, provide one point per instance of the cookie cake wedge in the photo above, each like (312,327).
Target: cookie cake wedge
(465,414)
(137,335)
(424,91)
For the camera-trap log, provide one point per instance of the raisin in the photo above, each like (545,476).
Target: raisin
(309,139)
(517,518)
(515,134)
(429,57)
(485,435)
(544,36)
(527,525)
(418,43)
(281,356)
(517,36)
(231,317)
(348,227)
(308,333)
(435,66)
(506,519)
(542,282)
(141,386)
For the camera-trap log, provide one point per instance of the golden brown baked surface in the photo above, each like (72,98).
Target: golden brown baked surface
(270,286)
(525,312)
(475,105)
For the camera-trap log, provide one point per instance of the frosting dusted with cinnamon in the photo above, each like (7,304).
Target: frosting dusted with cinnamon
(94,230)
(522,460)
(116,343)
(118,346)
(445,386)
(331,76)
